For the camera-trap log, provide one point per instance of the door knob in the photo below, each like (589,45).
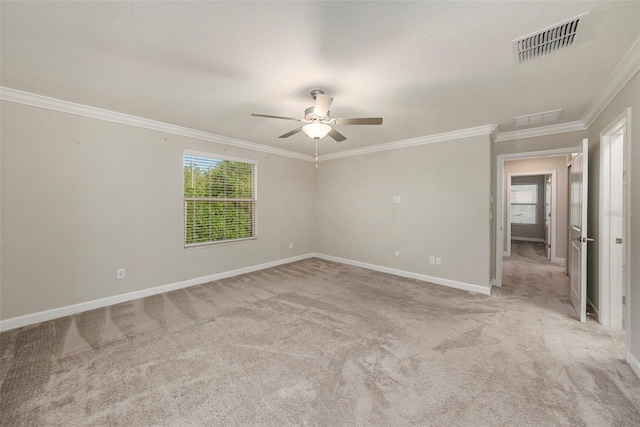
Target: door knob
(583,239)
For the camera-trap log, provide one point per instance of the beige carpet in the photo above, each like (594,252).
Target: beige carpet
(319,343)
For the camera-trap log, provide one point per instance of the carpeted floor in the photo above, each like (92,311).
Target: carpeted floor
(319,343)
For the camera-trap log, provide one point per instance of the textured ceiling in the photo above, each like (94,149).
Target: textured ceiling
(426,67)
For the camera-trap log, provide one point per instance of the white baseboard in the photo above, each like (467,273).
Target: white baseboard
(559,260)
(633,362)
(42,316)
(486,290)
(527,239)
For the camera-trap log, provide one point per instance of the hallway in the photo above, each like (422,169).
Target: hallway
(527,272)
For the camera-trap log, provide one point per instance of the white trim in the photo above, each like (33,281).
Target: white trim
(495,134)
(634,363)
(486,290)
(528,239)
(29,319)
(538,154)
(611,311)
(41,101)
(558,260)
(626,69)
(431,139)
(541,131)
(630,170)
(21,97)
(626,119)
(216,156)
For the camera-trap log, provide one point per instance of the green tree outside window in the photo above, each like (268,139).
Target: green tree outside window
(219,199)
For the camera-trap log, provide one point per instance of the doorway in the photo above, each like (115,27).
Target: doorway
(560,206)
(531,214)
(614,225)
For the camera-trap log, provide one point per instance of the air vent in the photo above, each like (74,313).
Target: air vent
(549,39)
(538,118)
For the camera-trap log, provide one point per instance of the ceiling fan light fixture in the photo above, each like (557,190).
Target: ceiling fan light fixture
(316,130)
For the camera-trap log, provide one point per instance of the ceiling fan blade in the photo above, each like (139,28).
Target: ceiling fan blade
(358,121)
(288,134)
(321,107)
(336,135)
(274,117)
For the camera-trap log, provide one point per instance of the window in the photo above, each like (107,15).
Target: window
(524,204)
(219,199)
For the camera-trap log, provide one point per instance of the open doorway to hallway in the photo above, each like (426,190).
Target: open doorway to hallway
(531,211)
(536,204)
(517,270)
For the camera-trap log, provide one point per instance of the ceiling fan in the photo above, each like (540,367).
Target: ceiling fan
(319,123)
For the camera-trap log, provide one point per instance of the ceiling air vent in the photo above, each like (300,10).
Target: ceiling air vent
(538,118)
(549,39)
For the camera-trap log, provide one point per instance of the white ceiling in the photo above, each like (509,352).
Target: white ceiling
(426,67)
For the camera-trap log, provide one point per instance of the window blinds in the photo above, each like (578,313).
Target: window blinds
(219,199)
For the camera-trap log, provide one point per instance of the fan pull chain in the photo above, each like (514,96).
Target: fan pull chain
(316,154)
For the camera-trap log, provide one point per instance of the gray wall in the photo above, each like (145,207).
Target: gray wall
(558,164)
(628,97)
(82,197)
(531,231)
(444,188)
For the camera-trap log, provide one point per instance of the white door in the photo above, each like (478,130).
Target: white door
(547,215)
(617,281)
(578,239)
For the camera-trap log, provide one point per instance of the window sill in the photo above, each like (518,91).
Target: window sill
(219,243)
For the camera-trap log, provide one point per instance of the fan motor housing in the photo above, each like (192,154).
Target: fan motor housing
(310,116)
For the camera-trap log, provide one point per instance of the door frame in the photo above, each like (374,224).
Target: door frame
(553,207)
(500,198)
(607,310)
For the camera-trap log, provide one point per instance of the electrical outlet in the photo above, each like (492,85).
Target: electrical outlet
(432,259)
(290,245)
(438,260)
(120,273)
(397,254)
(396,199)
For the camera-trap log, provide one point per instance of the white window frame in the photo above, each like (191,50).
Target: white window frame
(254,200)
(535,205)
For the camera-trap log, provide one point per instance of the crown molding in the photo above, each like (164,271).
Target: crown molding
(540,131)
(21,97)
(431,139)
(624,72)
(495,134)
